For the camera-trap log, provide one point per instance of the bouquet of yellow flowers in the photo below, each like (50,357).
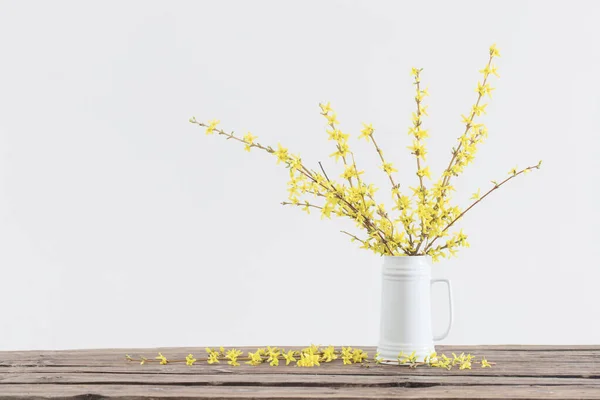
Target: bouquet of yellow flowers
(423,219)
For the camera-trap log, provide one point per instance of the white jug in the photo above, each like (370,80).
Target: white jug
(406,308)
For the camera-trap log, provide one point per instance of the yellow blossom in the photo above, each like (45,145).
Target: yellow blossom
(478,110)
(388,168)
(494,51)
(424,172)
(367,131)
(295,163)
(347,355)
(476,195)
(163,359)
(359,356)
(308,359)
(490,69)
(273,353)
(485,363)
(190,360)
(418,149)
(414,71)
(332,119)
(325,108)
(255,358)
(213,357)
(306,207)
(342,151)
(329,354)
(249,141)
(337,135)
(212,125)
(232,355)
(418,133)
(289,357)
(484,89)
(351,172)
(281,153)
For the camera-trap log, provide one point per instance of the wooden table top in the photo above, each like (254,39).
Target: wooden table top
(520,372)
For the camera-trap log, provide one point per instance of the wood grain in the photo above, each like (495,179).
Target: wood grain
(521,372)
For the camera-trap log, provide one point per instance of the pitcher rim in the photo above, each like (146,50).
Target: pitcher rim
(408,256)
(406,261)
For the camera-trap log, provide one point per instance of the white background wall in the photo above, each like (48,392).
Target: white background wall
(122,225)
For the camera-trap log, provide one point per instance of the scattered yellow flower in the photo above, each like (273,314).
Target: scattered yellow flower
(190,360)
(359,356)
(213,357)
(163,359)
(289,357)
(329,354)
(232,355)
(255,358)
(378,359)
(308,359)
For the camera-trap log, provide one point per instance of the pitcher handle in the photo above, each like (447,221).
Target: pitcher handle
(447,282)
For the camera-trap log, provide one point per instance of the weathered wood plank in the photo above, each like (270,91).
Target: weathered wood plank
(286,380)
(135,392)
(582,372)
(520,372)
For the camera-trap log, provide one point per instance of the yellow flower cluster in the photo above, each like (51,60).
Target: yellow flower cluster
(162,359)
(464,361)
(314,355)
(424,216)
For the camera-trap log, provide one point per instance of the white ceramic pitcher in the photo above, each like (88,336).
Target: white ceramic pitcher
(406,307)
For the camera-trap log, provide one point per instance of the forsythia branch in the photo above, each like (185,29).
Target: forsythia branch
(422,219)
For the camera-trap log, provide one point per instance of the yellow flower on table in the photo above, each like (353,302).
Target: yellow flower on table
(289,357)
(190,360)
(163,359)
